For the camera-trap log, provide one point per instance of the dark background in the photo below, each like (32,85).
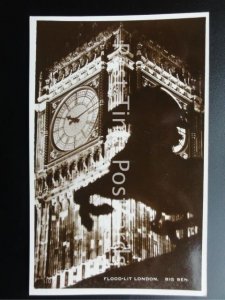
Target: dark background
(14,212)
(57,39)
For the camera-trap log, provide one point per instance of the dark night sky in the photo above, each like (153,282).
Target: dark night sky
(184,38)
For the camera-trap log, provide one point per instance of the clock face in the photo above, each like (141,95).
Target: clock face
(75,120)
(182,140)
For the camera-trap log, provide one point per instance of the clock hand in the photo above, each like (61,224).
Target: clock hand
(86,110)
(72,120)
(76,119)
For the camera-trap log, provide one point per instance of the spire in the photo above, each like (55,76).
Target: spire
(120,35)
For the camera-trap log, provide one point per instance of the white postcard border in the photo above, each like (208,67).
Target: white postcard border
(32,60)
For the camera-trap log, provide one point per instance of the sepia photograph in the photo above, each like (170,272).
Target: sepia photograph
(118,111)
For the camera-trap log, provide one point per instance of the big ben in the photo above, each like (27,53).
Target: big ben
(83,120)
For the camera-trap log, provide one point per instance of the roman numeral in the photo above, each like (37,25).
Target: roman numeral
(91,122)
(83,133)
(58,129)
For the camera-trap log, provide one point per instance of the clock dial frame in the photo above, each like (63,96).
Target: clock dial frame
(75,119)
(182,141)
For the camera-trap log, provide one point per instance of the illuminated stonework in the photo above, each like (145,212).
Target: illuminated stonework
(65,252)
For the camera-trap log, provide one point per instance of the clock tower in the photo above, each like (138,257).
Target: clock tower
(74,147)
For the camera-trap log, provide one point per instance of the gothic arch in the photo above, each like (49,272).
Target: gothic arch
(172,95)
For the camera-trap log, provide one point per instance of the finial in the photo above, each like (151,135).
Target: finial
(40,84)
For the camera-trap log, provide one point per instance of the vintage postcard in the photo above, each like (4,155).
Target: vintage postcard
(119,155)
